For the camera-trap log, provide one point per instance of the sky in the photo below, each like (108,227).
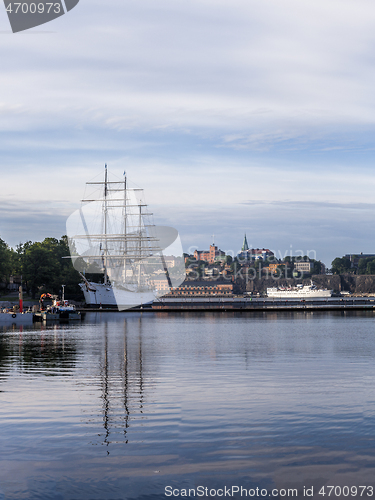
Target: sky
(235,117)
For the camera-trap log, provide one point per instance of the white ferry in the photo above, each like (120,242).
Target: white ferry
(299,292)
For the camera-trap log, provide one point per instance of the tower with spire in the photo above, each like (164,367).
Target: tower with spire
(246,254)
(245,246)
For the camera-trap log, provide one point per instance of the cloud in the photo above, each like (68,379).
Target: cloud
(127,66)
(31,221)
(329,231)
(206,104)
(312,204)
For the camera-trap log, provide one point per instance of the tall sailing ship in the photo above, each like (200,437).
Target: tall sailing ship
(112,234)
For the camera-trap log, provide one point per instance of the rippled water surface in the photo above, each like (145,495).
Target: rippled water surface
(123,404)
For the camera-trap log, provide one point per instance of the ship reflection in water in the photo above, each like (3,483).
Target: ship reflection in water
(121,383)
(125,404)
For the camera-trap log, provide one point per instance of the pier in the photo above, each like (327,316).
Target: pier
(262,304)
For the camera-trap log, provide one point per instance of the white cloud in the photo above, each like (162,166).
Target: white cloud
(206,104)
(130,65)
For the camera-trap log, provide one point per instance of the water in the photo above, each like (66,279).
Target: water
(124,405)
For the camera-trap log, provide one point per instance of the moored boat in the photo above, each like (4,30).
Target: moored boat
(299,292)
(66,310)
(18,318)
(113,235)
(58,310)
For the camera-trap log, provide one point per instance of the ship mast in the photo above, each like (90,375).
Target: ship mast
(125,228)
(140,243)
(105,225)
(122,234)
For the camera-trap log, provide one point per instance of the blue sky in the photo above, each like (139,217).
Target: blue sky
(235,117)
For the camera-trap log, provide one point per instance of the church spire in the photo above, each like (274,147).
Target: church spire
(245,246)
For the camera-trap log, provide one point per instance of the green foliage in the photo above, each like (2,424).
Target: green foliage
(281,269)
(258,264)
(366,265)
(370,267)
(362,266)
(341,265)
(234,265)
(284,270)
(6,261)
(270,260)
(44,269)
(317,266)
(190,261)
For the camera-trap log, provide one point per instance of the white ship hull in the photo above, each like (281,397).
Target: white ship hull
(112,234)
(99,294)
(302,293)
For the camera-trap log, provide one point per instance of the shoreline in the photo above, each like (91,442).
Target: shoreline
(248,304)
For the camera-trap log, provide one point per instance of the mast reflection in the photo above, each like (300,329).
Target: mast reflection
(122,379)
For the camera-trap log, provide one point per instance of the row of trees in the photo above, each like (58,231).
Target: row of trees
(42,267)
(343,265)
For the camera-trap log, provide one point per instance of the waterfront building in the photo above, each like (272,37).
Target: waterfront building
(202,288)
(303,267)
(212,255)
(193,288)
(255,254)
(160,284)
(271,268)
(170,261)
(211,271)
(248,254)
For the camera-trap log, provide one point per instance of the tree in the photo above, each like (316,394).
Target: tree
(370,268)
(341,265)
(69,276)
(316,266)
(362,266)
(44,269)
(39,268)
(5,261)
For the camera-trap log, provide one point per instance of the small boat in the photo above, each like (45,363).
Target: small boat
(58,310)
(66,310)
(47,316)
